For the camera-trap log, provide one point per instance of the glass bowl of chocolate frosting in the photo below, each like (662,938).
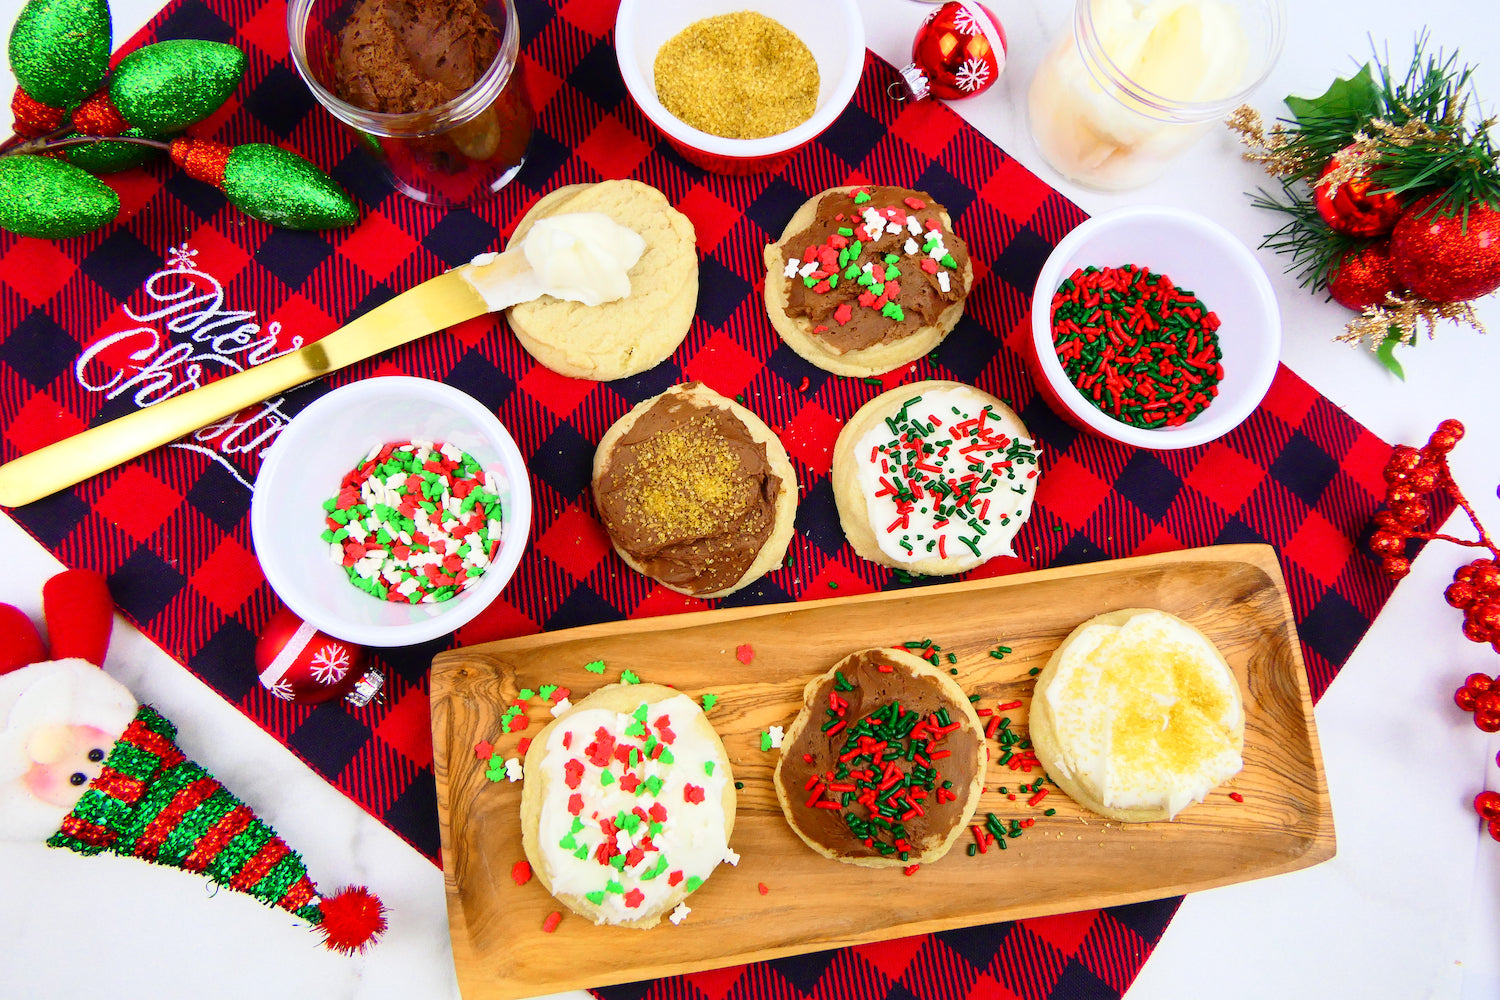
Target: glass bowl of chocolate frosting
(433,88)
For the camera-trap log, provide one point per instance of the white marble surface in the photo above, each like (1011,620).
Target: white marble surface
(1407,909)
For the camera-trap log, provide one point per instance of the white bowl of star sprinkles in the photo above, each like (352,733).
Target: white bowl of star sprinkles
(391,511)
(934,478)
(628,805)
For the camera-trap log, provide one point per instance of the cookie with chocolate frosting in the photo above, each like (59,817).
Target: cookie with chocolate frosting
(616,339)
(885,763)
(867,278)
(934,477)
(695,492)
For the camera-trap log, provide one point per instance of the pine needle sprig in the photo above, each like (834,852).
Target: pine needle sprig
(1313,248)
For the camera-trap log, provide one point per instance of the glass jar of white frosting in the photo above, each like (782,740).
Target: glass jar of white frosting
(1133,83)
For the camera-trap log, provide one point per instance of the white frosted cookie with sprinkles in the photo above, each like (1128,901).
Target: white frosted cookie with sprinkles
(867,278)
(934,478)
(628,804)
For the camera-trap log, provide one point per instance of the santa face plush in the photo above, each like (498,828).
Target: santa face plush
(86,767)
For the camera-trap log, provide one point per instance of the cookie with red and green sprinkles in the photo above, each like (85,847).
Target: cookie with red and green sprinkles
(934,478)
(866,278)
(884,764)
(415,522)
(628,805)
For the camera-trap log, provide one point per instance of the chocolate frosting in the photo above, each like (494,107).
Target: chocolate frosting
(921,297)
(874,690)
(399,56)
(689,494)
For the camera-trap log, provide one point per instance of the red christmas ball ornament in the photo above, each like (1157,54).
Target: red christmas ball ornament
(298,663)
(1353,207)
(1364,277)
(959,51)
(1447,258)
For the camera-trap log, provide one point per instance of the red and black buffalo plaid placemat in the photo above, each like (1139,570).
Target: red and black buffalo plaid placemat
(185,289)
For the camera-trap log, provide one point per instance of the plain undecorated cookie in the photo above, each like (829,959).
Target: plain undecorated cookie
(617,339)
(797,331)
(773,550)
(852,498)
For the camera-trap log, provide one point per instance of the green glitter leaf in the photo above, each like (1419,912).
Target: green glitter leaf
(51,199)
(59,49)
(279,187)
(167,86)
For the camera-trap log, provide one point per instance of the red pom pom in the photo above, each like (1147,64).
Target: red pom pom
(352,918)
(79,615)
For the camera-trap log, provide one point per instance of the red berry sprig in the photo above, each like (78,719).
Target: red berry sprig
(1411,474)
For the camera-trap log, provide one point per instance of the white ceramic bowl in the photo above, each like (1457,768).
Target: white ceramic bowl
(1197,255)
(303,468)
(831,29)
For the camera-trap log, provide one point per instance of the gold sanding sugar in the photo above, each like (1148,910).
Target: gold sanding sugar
(683,484)
(740,76)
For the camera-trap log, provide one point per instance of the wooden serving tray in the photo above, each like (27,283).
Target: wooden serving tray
(1073,860)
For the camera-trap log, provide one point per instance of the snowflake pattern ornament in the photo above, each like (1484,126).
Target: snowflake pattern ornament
(959,51)
(296,662)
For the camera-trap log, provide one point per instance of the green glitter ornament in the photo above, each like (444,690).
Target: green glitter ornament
(112,157)
(52,199)
(275,186)
(59,49)
(170,85)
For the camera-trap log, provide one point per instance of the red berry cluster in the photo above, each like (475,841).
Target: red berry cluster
(1475,591)
(1481,695)
(1410,474)
(1487,805)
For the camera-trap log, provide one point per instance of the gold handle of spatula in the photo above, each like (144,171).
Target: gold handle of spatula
(431,306)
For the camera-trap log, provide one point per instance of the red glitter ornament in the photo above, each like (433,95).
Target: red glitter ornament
(32,117)
(202,160)
(1352,207)
(97,115)
(1447,258)
(1364,278)
(959,51)
(299,663)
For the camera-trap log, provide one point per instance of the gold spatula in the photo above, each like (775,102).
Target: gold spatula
(433,305)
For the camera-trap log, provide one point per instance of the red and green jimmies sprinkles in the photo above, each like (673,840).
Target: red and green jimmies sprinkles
(1139,348)
(415,521)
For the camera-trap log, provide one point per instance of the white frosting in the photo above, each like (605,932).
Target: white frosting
(927,523)
(691,833)
(1144,715)
(1182,50)
(580,256)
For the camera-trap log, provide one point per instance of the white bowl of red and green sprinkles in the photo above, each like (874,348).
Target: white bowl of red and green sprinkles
(391,511)
(1154,327)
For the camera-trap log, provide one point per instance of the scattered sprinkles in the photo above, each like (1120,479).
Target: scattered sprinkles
(595,667)
(744,653)
(709,701)
(1136,346)
(629,677)
(414,521)
(520,872)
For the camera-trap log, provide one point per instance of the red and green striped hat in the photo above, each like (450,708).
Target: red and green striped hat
(151,802)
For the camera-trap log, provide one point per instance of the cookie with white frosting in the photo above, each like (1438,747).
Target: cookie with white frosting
(627,336)
(1138,716)
(629,804)
(934,478)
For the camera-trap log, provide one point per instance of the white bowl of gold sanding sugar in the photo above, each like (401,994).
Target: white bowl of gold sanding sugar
(391,511)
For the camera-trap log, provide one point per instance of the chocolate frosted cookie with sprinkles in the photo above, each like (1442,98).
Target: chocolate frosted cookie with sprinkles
(934,478)
(695,492)
(628,805)
(885,763)
(866,279)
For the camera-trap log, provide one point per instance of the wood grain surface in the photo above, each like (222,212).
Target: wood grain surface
(1072,860)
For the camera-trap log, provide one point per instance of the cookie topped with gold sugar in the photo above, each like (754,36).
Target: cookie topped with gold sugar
(628,805)
(1138,716)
